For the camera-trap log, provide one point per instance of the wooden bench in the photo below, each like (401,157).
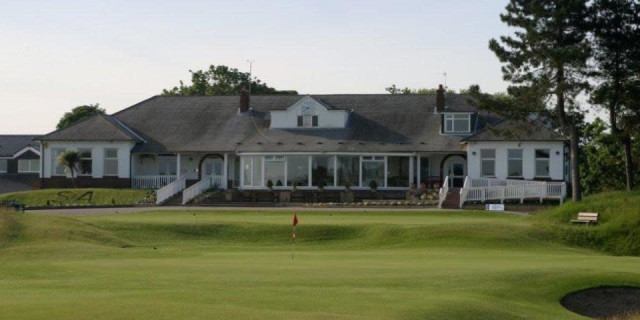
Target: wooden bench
(586,218)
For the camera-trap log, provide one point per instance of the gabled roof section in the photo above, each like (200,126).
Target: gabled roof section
(99,127)
(513,130)
(308,101)
(10,145)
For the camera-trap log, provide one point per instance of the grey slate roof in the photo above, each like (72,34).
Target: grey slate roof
(10,144)
(507,130)
(378,123)
(99,127)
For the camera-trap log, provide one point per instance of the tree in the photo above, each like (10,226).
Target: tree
(546,62)
(393,89)
(219,80)
(78,113)
(616,30)
(69,160)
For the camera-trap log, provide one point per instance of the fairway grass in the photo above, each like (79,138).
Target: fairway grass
(238,265)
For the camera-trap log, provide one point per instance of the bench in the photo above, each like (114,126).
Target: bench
(586,218)
(17,206)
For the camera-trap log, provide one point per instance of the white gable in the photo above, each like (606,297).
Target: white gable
(309,107)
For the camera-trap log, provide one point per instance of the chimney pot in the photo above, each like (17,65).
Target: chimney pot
(440,99)
(244,100)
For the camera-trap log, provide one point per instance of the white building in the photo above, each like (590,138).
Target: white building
(312,141)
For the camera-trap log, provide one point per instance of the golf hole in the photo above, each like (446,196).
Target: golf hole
(604,301)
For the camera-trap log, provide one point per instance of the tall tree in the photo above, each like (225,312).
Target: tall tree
(546,62)
(616,30)
(78,113)
(219,80)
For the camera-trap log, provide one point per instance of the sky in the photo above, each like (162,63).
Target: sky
(55,55)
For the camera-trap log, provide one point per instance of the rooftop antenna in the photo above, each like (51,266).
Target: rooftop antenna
(250,69)
(445,80)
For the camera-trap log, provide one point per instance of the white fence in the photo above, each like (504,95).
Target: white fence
(151,182)
(200,187)
(171,189)
(443,192)
(495,189)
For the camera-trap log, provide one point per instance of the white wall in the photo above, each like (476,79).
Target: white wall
(556,157)
(308,106)
(97,156)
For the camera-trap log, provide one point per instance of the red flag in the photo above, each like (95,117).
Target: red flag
(295,219)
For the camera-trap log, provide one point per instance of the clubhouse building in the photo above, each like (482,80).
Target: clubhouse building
(305,142)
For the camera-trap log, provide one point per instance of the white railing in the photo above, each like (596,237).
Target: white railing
(151,182)
(200,187)
(169,190)
(443,192)
(495,189)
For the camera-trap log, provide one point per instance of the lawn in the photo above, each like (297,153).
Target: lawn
(348,265)
(76,197)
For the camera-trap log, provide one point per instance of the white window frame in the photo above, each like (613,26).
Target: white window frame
(55,152)
(509,159)
(451,117)
(536,159)
(30,165)
(6,166)
(108,159)
(274,158)
(252,164)
(483,159)
(80,159)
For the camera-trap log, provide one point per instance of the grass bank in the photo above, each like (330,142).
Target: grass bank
(618,230)
(74,197)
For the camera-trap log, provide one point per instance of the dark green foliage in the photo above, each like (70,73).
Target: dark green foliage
(602,163)
(220,80)
(69,160)
(406,90)
(373,185)
(79,113)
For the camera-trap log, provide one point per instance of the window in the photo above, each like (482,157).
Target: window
(348,171)
(111,162)
(457,123)
(542,163)
(488,162)
(307,121)
(85,167)
(3,166)
(28,166)
(514,163)
(298,170)
(59,170)
(274,170)
(397,171)
(322,170)
(424,171)
(252,171)
(373,170)
(167,166)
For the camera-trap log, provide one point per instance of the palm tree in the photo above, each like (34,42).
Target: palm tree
(69,160)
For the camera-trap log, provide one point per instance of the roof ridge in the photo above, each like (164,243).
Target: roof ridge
(136,105)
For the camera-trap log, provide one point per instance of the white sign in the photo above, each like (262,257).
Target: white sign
(495,207)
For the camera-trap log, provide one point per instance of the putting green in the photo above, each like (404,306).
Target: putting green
(238,265)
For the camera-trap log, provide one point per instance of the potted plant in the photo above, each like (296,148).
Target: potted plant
(321,185)
(373,185)
(347,196)
(294,186)
(270,184)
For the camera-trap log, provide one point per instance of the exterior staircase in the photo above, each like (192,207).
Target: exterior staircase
(175,200)
(452,201)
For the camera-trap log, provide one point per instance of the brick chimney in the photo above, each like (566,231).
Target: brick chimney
(440,99)
(244,100)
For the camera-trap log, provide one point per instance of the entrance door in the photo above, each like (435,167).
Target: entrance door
(212,169)
(457,173)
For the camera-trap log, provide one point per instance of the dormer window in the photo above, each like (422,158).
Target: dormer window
(307,121)
(457,123)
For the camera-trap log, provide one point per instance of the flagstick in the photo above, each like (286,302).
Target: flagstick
(293,244)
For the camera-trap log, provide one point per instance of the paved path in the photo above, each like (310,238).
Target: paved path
(99,211)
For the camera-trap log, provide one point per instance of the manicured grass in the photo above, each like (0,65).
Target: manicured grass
(80,196)
(348,265)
